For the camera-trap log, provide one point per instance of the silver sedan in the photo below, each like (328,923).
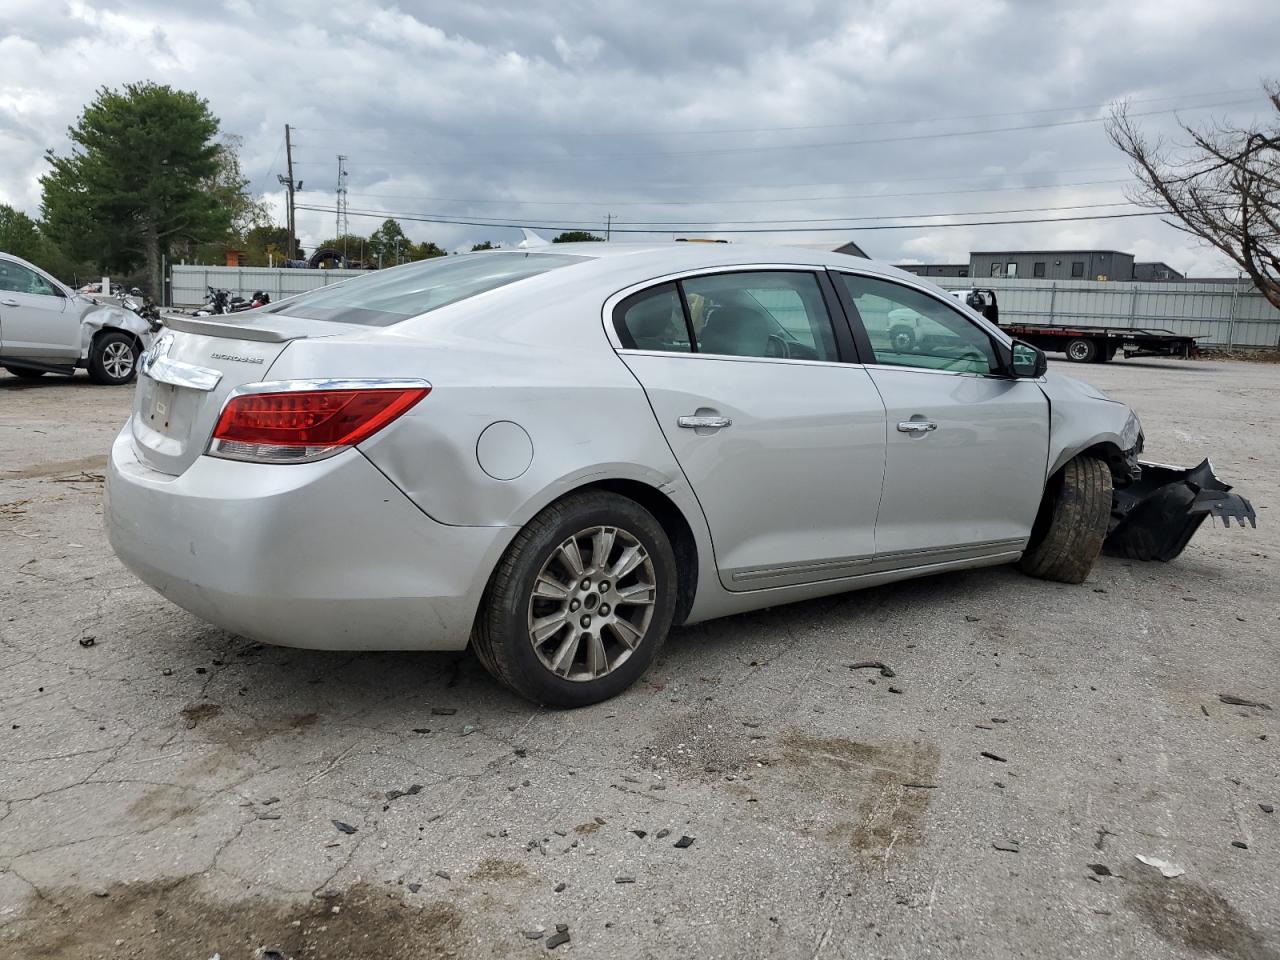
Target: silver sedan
(557,454)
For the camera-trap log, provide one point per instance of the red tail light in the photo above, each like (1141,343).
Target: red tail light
(301,425)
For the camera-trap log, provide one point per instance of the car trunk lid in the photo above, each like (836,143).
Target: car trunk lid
(191,369)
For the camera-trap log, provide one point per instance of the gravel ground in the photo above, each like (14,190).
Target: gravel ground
(168,790)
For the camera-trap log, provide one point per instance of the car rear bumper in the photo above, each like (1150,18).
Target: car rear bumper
(327,555)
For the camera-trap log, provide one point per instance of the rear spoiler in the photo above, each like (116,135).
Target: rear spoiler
(207,327)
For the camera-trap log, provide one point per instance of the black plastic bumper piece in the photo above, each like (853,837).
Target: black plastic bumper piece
(1157,515)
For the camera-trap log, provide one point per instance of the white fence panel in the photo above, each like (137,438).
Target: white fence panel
(1221,314)
(189,285)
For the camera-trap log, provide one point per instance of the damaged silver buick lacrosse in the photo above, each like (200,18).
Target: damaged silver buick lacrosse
(556,454)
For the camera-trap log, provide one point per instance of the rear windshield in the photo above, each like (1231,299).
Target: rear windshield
(389,296)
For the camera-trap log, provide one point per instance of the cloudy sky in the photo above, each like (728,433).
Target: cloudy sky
(673,116)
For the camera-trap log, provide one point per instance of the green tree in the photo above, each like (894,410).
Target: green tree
(137,180)
(576,236)
(265,244)
(487,245)
(20,235)
(388,245)
(425,251)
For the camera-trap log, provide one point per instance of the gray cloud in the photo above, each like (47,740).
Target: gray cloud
(477,110)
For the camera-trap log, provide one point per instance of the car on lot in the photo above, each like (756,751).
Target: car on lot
(46,327)
(557,454)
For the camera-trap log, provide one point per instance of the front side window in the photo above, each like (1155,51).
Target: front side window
(773,314)
(389,296)
(15,278)
(908,328)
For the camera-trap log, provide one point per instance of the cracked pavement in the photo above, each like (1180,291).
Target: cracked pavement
(169,790)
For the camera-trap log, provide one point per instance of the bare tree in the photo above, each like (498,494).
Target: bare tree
(1222,186)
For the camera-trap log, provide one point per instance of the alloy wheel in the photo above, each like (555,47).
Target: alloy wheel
(117,360)
(592,603)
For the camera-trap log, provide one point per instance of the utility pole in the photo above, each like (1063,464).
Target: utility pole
(608,225)
(289,186)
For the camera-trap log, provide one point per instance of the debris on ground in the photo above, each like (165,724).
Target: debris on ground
(640,833)
(885,670)
(410,791)
(684,843)
(344,827)
(1101,869)
(993,756)
(468,729)
(560,887)
(1267,808)
(559,938)
(535,934)
(88,641)
(664,832)
(624,879)
(415,887)
(1167,869)
(443,874)
(1240,844)
(1007,846)
(1242,702)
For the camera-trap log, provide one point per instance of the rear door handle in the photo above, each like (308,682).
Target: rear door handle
(714,423)
(917,426)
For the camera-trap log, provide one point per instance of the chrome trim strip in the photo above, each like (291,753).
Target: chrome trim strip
(179,374)
(626,352)
(287,386)
(843,567)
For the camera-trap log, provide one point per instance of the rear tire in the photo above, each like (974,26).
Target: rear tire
(113,358)
(591,655)
(1081,350)
(1072,523)
(26,373)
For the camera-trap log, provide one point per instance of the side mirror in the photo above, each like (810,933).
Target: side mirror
(1027,362)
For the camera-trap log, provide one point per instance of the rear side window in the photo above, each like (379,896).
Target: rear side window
(653,320)
(774,314)
(389,296)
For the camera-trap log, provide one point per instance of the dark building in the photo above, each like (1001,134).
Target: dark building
(1052,264)
(1155,270)
(935,269)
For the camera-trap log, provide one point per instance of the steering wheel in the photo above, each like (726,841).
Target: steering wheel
(777,348)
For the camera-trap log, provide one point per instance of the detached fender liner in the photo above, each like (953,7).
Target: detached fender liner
(1155,517)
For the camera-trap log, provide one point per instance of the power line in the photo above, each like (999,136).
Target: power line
(773,148)
(506,135)
(712,229)
(751,200)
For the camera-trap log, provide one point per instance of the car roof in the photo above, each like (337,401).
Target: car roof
(666,257)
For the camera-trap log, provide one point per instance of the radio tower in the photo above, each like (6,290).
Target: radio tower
(343,224)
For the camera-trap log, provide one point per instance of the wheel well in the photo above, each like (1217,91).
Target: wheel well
(102,331)
(1109,453)
(673,522)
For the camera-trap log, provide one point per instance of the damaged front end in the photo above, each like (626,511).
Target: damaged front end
(1157,514)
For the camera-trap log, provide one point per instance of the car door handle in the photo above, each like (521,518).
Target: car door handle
(9,303)
(917,426)
(714,423)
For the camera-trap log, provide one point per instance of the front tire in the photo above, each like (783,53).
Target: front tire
(1072,523)
(113,358)
(580,603)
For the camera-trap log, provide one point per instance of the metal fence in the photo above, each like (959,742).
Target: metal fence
(189,286)
(1222,314)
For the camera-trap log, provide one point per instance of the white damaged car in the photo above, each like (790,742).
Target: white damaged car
(46,327)
(555,455)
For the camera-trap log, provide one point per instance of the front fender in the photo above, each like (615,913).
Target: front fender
(1082,417)
(107,317)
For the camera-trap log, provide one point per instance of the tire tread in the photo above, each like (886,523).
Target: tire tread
(1080,514)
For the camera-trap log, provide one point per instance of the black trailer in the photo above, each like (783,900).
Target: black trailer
(1084,344)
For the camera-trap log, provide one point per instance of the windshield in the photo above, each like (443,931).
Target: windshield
(389,296)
